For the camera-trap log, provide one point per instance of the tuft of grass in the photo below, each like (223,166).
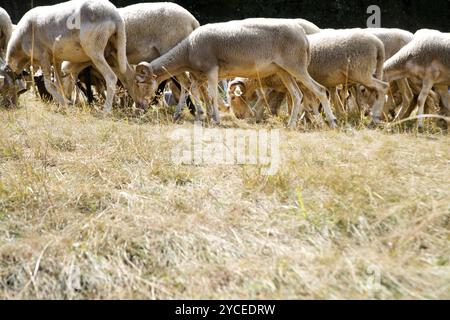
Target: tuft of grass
(91,207)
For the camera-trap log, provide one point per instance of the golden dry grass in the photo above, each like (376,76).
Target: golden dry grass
(92,207)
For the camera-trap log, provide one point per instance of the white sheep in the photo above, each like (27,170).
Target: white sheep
(425,58)
(308,26)
(249,48)
(152,29)
(240,91)
(340,57)
(5,31)
(78,31)
(393,40)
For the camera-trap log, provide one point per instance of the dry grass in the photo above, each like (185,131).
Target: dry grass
(93,208)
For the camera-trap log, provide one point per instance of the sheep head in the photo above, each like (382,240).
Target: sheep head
(8,88)
(145,84)
(237,100)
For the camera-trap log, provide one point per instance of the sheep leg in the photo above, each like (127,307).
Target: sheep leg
(58,78)
(95,51)
(110,79)
(353,105)
(315,108)
(426,87)
(196,94)
(407,97)
(343,94)
(389,106)
(88,92)
(49,85)
(295,96)
(180,105)
(71,72)
(319,91)
(311,103)
(259,106)
(181,83)
(442,90)
(337,100)
(213,91)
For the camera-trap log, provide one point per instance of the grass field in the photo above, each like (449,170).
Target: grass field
(92,207)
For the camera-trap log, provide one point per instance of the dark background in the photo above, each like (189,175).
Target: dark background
(406,14)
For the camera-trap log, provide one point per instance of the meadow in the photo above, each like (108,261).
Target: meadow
(91,207)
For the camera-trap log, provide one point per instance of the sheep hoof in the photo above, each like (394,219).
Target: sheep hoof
(333,124)
(291,126)
(176,117)
(374,123)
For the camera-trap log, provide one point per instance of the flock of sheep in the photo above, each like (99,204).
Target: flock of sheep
(266,61)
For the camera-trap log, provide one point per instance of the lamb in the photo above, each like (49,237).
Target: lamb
(152,29)
(345,57)
(248,48)
(427,58)
(79,31)
(5,31)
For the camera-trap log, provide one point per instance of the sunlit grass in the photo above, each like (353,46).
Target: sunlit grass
(92,207)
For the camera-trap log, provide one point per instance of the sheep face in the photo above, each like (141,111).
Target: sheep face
(237,101)
(145,84)
(8,88)
(364,99)
(16,59)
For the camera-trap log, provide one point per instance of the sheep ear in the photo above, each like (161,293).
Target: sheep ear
(2,81)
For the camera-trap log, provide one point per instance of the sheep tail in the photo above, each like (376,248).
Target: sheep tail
(121,44)
(381,55)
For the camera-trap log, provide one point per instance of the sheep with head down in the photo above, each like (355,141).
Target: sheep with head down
(393,40)
(152,29)
(78,31)
(248,48)
(338,57)
(425,58)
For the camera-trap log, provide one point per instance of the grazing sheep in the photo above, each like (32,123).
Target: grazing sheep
(249,48)
(340,57)
(6,27)
(238,99)
(152,29)
(393,40)
(427,58)
(78,31)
